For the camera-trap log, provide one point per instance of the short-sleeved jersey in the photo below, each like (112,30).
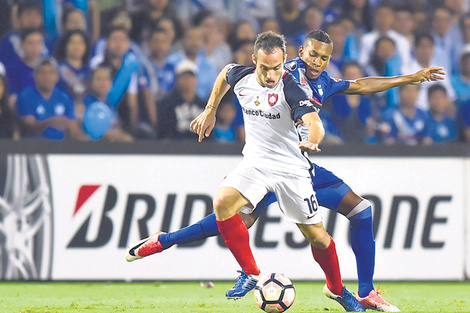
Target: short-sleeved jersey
(441,131)
(31,102)
(319,89)
(272,141)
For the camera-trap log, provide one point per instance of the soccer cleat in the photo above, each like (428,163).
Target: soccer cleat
(144,247)
(347,300)
(245,283)
(374,301)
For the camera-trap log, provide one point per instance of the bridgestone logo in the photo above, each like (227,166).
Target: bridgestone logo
(260,113)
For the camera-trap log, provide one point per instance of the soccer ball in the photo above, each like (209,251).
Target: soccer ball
(274,293)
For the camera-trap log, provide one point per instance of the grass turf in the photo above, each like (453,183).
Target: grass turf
(59,297)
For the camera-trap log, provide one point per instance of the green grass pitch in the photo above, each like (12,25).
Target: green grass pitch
(168,297)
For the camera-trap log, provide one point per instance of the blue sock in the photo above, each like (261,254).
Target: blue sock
(363,245)
(206,227)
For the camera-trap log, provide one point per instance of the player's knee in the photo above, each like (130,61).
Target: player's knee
(362,210)
(321,241)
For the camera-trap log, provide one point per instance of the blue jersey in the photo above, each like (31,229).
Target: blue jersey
(444,131)
(19,76)
(31,102)
(403,129)
(319,89)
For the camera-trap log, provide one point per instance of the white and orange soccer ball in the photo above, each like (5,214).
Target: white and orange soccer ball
(274,292)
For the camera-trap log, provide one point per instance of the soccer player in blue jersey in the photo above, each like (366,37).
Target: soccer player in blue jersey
(331,191)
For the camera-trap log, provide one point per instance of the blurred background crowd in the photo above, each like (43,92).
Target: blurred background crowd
(152,63)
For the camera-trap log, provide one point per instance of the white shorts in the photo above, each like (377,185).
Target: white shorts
(295,195)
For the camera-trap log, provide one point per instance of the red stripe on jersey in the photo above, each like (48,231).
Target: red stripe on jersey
(284,75)
(316,102)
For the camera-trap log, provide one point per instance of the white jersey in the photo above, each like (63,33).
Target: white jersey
(272,141)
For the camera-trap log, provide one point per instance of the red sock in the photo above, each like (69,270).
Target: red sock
(237,240)
(328,260)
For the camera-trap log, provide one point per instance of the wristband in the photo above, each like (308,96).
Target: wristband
(211,107)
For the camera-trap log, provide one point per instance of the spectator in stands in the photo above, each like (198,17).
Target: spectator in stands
(193,50)
(182,105)
(332,133)
(289,16)
(328,8)
(384,18)
(73,19)
(169,26)
(352,113)
(20,72)
(404,23)
(425,56)
(465,28)
(29,15)
(46,110)
(99,88)
(145,21)
(243,30)
(311,18)
(338,34)
(124,66)
(7,116)
(440,126)
(159,45)
(360,13)
(461,82)
(384,61)
(464,122)
(224,131)
(446,42)
(270,24)
(216,49)
(405,124)
(88,19)
(73,55)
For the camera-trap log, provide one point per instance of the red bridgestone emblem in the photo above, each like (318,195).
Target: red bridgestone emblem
(272,99)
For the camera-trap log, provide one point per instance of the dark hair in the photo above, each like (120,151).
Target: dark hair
(351,63)
(113,29)
(61,52)
(365,14)
(462,21)
(422,36)
(319,35)
(327,26)
(69,10)
(28,31)
(269,41)
(47,61)
(435,88)
(29,6)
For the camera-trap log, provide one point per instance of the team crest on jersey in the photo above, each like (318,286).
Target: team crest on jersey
(320,90)
(291,66)
(257,101)
(303,81)
(272,99)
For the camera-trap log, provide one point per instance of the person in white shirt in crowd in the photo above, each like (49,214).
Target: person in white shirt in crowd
(384,18)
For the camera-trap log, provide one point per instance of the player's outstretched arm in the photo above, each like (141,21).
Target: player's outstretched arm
(375,84)
(316,132)
(205,122)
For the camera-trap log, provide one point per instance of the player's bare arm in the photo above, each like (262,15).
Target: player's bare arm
(375,84)
(316,132)
(205,122)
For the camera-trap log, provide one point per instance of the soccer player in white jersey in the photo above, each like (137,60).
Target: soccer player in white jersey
(272,101)
(331,191)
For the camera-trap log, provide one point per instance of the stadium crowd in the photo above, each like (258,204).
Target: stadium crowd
(153,63)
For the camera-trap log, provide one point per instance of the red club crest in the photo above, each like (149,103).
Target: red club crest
(272,99)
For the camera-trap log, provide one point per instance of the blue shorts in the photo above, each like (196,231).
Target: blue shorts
(329,189)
